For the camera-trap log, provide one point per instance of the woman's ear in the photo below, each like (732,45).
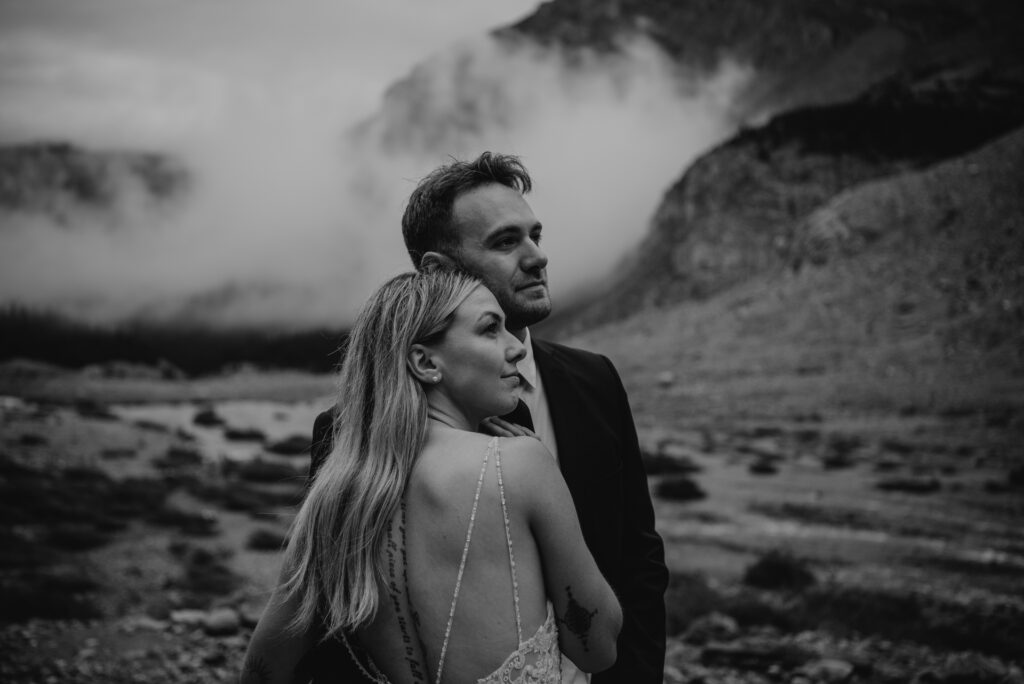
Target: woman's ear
(421,364)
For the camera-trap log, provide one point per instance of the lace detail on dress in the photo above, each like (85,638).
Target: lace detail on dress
(538,660)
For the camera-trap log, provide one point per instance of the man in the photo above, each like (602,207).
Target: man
(473,215)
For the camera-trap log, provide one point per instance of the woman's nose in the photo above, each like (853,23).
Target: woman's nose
(516,350)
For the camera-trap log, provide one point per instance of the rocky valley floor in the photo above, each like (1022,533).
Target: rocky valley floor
(804,547)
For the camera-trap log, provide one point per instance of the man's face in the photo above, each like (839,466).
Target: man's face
(500,244)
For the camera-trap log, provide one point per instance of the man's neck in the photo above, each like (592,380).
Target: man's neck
(519,334)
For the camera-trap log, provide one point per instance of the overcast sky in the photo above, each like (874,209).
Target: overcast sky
(256,95)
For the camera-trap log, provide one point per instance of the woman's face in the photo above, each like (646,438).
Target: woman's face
(477,359)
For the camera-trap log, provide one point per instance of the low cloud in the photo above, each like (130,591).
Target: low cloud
(292,222)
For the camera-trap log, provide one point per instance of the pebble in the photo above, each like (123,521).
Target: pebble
(711,627)
(189,617)
(221,622)
(828,670)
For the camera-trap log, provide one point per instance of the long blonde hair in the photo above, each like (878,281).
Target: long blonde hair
(335,560)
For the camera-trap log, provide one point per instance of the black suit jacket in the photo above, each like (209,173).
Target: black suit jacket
(600,460)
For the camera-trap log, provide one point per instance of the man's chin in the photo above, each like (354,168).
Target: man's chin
(530,312)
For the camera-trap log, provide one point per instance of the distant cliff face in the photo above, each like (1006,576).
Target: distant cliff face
(735,212)
(805,51)
(58,179)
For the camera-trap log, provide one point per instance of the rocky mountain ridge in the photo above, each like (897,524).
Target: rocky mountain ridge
(57,179)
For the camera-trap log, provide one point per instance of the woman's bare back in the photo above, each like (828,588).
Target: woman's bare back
(424,553)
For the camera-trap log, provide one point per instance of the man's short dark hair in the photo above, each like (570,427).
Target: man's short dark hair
(427,221)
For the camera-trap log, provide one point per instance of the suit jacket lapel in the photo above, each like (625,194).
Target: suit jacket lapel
(563,403)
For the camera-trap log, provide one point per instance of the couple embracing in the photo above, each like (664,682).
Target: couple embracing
(479,511)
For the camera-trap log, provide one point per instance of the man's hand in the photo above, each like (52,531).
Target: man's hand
(498,427)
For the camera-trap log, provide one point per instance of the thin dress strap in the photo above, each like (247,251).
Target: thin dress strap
(462,563)
(508,540)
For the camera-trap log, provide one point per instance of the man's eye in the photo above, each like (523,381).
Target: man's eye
(536,239)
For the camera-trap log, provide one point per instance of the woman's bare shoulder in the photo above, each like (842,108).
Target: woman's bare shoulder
(526,462)
(450,455)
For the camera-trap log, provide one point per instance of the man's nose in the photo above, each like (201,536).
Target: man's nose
(534,258)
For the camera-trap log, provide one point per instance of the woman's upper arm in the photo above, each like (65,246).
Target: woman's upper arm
(275,650)
(588,613)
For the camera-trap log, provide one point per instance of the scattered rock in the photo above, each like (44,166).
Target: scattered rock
(31,439)
(711,627)
(151,426)
(264,539)
(779,570)
(839,450)
(221,622)
(207,417)
(188,617)
(887,464)
(837,461)
(179,457)
(764,447)
(87,408)
(261,470)
(763,466)
(135,623)
(760,655)
(117,453)
(807,435)
(910,484)
(679,488)
(827,670)
(244,435)
(199,524)
(295,445)
(897,446)
(665,379)
(666,461)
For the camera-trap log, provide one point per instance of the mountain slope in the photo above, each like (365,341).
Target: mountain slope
(899,295)
(734,212)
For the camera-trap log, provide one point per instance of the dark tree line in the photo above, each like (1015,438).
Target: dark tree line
(53,338)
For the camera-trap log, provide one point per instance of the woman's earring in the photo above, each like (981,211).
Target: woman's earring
(436,379)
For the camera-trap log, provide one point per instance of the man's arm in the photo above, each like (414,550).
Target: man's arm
(644,578)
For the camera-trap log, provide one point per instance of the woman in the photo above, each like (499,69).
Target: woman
(437,553)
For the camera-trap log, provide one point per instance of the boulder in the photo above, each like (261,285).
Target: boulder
(711,627)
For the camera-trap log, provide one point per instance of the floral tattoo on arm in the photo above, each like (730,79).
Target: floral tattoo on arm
(577,619)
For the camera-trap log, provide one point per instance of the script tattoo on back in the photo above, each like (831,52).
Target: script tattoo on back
(399,592)
(577,619)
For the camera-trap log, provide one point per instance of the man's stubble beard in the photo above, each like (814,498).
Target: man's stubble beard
(519,317)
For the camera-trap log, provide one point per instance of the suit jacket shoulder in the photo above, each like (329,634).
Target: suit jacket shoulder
(589,369)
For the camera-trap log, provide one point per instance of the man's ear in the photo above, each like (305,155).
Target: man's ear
(432,260)
(421,364)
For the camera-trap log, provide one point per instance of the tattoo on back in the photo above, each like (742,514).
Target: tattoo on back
(255,670)
(577,619)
